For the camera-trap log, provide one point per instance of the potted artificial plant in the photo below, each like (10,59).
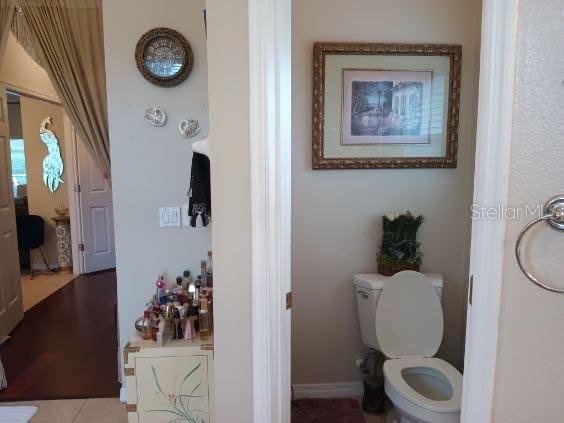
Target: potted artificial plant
(400,249)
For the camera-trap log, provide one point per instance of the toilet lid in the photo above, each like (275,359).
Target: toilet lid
(409,317)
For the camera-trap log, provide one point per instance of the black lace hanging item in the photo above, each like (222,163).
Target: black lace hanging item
(200,190)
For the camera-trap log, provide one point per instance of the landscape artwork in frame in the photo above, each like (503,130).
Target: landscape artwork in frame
(382,106)
(386,107)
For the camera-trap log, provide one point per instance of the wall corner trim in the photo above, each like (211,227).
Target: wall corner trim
(491,179)
(270,149)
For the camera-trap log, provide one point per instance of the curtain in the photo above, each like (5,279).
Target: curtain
(68,35)
(7,8)
(21,32)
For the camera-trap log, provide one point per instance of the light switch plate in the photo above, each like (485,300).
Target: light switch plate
(169,217)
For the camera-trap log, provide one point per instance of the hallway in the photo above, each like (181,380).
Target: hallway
(66,346)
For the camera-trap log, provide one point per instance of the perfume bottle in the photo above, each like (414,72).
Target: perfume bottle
(187,279)
(209,270)
(161,294)
(176,324)
(196,297)
(147,325)
(204,271)
(179,292)
(204,320)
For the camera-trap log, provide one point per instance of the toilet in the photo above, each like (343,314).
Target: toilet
(402,317)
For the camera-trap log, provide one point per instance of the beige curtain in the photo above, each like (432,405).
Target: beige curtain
(21,32)
(7,8)
(68,35)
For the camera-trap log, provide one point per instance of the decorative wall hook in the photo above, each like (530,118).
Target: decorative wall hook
(156,116)
(189,128)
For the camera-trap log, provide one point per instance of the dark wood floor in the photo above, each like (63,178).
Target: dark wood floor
(66,346)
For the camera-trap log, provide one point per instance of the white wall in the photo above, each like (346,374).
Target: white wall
(151,166)
(21,73)
(228,48)
(337,213)
(529,382)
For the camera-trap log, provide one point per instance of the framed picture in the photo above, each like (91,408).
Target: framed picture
(385,105)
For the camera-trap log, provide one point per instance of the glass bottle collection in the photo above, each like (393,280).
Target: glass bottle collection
(184,312)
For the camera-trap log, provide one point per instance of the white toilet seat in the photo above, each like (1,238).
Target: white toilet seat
(393,373)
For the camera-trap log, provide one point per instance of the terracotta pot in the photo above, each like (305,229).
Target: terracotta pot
(391,269)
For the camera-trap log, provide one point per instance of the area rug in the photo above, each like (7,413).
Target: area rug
(17,414)
(334,410)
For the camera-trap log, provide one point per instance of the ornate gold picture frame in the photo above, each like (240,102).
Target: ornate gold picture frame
(378,106)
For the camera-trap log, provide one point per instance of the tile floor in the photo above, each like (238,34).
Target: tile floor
(93,410)
(96,410)
(40,287)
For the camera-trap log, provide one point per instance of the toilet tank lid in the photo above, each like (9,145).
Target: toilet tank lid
(376,281)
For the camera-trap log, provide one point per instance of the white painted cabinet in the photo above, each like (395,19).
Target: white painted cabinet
(167,384)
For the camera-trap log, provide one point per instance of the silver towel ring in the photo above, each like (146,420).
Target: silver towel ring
(554,216)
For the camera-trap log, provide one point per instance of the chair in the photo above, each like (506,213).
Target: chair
(31,236)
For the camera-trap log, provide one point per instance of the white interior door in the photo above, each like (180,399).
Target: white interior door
(11,308)
(97,215)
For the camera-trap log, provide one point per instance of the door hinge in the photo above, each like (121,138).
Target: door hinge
(471,289)
(77,188)
(81,247)
(288,301)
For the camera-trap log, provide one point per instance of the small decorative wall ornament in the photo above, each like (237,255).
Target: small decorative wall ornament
(155,116)
(189,128)
(53,162)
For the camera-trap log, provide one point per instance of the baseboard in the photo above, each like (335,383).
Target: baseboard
(328,390)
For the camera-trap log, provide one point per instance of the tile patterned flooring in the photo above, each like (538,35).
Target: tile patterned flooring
(94,410)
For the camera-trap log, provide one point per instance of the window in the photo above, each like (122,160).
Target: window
(19,176)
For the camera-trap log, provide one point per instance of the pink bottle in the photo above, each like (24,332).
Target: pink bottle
(161,296)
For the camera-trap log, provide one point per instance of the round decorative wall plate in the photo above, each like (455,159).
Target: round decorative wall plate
(164,57)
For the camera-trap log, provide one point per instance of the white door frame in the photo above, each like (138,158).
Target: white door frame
(491,180)
(75,211)
(270,81)
(270,76)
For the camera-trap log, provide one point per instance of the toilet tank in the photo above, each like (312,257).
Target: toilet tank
(368,287)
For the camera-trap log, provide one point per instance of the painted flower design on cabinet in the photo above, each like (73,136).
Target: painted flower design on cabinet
(177,407)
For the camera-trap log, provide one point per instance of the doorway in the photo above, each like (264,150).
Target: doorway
(490,253)
(74,222)
(72,293)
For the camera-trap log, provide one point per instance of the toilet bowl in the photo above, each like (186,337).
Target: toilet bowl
(406,320)
(424,389)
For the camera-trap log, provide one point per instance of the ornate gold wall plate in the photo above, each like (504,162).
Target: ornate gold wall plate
(164,57)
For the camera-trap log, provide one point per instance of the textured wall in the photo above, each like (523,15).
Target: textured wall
(151,166)
(529,382)
(337,213)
